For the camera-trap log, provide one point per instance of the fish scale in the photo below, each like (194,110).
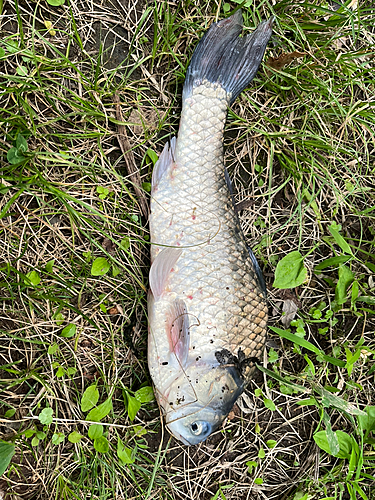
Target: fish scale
(207,308)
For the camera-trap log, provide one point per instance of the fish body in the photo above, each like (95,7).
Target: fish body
(207,306)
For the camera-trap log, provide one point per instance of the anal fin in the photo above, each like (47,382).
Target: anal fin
(164,162)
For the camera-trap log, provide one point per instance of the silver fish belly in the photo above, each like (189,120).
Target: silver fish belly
(207,307)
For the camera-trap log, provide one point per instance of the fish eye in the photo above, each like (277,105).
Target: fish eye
(200,428)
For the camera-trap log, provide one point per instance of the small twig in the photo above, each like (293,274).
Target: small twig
(129,159)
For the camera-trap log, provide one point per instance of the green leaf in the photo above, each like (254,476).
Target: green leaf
(333,442)
(145,394)
(56,3)
(97,414)
(285,389)
(272,356)
(311,366)
(355,292)
(60,372)
(290,271)
(366,299)
(258,480)
(40,435)
(58,438)
(300,495)
(59,318)
(133,406)
(307,345)
(95,431)
(87,256)
(74,437)
(100,267)
(250,465)
(21,70)
(268,403)
(152,155)
(351,359)
(103,192)
(21,143)
(352,463)
(370,266)
(146,186)
(226,7)
(276,376)
(2,52)
(345,279)
(69,331)
(28,433)
(52,349)
(125,243)
(115,270)
(271,443)
(344,441)
(138,430)
(49,266)
(10,413)
(32,278)
(101,444)
(261,452)
(126,455)
(14,156)
(12,46)
(336,401)
(34,441)
(7,451)
(45,416)
(308,402)
(90,398)
(334,230)
(367,421)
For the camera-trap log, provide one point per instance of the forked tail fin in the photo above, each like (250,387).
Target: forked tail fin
(224,57)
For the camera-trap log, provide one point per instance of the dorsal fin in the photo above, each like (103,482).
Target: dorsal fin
(160,269)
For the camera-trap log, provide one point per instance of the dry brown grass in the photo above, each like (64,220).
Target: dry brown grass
(300,148)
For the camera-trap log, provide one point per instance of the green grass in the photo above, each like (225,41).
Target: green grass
(300,148)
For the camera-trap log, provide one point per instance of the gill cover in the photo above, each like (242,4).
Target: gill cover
(216,391)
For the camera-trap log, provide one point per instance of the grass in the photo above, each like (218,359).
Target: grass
(300,148)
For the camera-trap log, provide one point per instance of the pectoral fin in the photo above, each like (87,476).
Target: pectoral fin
(177,328)
(160,269)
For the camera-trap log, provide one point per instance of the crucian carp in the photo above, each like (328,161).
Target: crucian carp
(207,301)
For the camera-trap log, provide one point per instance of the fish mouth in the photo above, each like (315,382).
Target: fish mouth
(180,426)
(178,436)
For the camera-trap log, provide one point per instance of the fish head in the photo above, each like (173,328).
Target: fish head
(212,392)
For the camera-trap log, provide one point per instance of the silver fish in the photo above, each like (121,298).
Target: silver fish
(207,301)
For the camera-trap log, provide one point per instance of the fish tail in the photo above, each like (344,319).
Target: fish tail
(223,57)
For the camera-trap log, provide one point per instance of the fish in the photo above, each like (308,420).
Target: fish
(207,307)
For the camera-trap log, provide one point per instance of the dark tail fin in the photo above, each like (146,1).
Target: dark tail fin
(223,57)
